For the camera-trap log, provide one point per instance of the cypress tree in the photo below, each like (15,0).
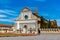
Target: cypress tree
(49,24)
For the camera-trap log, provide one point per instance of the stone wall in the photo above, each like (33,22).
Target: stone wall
(50,30)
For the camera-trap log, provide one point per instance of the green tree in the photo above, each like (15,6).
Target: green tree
(43,24)
(49,24)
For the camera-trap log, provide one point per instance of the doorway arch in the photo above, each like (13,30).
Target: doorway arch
(25,28)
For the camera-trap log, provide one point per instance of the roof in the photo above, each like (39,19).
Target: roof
(25,8)
(36,15)
(4,25)
(39,16)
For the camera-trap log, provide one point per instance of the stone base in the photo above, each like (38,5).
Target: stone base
(15,34)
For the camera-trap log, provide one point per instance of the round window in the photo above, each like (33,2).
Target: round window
(26,17)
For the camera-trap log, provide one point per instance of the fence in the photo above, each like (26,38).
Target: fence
(50,29)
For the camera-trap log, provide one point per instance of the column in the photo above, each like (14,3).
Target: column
(36,28)
(17,25)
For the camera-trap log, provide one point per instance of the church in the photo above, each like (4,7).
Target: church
(27,22)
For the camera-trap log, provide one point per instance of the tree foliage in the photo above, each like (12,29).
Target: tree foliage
(49,24)
(43,24)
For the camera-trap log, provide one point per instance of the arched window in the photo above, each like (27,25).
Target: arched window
(26,17)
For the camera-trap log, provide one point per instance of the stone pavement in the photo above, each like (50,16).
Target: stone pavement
(40,37)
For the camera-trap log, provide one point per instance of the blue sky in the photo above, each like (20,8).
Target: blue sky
(10,9)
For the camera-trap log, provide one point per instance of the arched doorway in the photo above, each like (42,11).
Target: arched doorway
(25,28)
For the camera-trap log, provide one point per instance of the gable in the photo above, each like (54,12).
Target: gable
(25,9)
(27,12)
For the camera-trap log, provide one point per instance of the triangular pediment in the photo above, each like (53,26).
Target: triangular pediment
(25,9)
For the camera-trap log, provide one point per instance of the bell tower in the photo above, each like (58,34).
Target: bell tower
(36,11)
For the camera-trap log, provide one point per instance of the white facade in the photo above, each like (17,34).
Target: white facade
(26,23)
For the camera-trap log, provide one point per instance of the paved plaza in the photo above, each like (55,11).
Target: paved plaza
(40,37)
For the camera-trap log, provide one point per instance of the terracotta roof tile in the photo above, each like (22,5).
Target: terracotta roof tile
(4,25)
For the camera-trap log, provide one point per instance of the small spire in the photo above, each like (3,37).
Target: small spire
(36,11)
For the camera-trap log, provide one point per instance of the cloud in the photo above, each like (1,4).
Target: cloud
(9,12)
(3,16)
(7,20)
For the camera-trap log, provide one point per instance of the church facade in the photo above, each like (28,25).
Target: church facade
(27,22)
